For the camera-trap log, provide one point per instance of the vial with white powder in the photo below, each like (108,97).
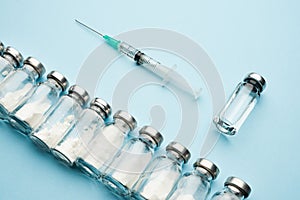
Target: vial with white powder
(61,118)
(196,185)
(127,166)
(19,85)
(27,117)
(10,59)
(160,176)
(106,143)
(84,130)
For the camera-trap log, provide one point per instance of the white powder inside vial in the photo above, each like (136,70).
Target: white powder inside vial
(74,143)
(33,113)
(129,168)
(51,135)
(12,99)
(101,149)
(70,148)
(159,184)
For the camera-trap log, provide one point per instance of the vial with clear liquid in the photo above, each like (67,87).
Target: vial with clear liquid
(28,116)
(240,104)
(78,137)
(129,163)
(106,143)
(19,85)
(234,189)
(196,185)
(160,176)
(10,59)
(61,119)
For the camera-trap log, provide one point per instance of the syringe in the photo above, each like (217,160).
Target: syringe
(168,75)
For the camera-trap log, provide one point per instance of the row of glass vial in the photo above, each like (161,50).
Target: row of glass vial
(69,134)
(23,100)
(129,170)
(27,104)
(162,178)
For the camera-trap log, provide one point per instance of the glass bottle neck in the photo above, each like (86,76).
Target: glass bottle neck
(98,111)
(174,156)
(31,71)
(235,191)
(77,98)
(123,126)
(10,59)
(148,141)
(54,85)
(203,173)
(251,87)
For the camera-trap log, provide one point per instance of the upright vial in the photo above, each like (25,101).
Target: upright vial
(61,119)
(10,59)
(85,129)
(19,85)
(106,143)
(196,185)
(240,104)
(234,189)
(27,117)
(160,176)
(131,161)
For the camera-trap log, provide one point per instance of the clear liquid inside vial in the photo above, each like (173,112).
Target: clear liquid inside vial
(237,109)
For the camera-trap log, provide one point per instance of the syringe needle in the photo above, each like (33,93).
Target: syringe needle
(86,26)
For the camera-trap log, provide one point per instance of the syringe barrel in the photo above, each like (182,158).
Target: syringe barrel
(128,50)
(141,58)
(144,59)
(147,62)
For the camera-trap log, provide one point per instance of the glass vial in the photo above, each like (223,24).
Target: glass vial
(106,143)
(84,130)
(240,104)
(234,189)
(61,119)
(131,161)
(10,59)
(19,85)
(196,185)
(160,176)
(27,117)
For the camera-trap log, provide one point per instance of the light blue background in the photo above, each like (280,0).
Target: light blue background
(240,36)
